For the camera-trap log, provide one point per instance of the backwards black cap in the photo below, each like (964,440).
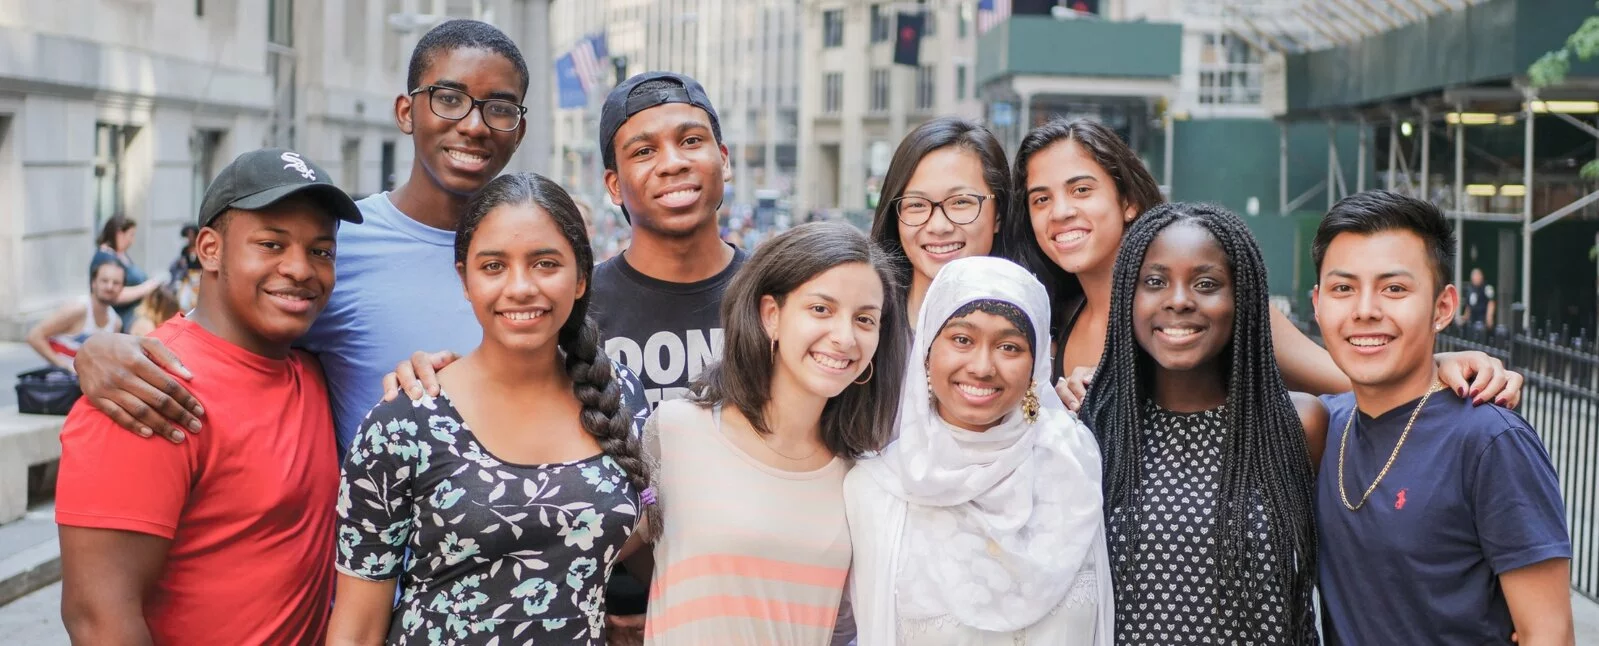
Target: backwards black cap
(260,178)
(629,99)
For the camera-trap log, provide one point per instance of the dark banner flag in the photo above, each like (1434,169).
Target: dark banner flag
(908,44)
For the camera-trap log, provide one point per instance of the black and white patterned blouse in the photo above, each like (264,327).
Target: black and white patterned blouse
(1171,598)
(498,552)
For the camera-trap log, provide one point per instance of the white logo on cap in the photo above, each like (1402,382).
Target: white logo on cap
(298,165)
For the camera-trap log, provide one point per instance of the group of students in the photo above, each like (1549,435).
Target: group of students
(1033,406)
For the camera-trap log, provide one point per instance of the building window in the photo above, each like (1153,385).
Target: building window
(927,18)
(963,20)
(1229,71)
(879,90)
(960,82)
(882,25)
(205,146)
(110,148)
(833,28)
(832,92)
(924,87)
(386,166)
(199,8)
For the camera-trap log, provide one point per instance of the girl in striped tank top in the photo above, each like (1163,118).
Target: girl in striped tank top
(751,542)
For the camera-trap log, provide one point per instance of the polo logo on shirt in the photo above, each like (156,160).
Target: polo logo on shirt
(1399,501)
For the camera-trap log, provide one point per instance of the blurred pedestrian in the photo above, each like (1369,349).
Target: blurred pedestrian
(116,237)
(160,306)
(58,336)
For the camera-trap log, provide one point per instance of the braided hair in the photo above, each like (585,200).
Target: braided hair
(1264,456)
(593,378)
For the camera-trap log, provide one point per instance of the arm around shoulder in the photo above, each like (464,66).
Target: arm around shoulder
(1314,417)
(1305,365)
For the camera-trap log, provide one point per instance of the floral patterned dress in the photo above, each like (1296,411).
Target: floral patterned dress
(494,552)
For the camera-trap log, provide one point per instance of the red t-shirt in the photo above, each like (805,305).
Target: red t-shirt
(248,502)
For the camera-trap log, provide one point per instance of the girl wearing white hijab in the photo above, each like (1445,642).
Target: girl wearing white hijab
(982,523)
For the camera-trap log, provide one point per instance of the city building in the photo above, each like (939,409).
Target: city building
(857,103)
(746,53)
(131,106)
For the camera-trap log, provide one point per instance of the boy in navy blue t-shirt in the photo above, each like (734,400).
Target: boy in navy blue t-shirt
(1441,522)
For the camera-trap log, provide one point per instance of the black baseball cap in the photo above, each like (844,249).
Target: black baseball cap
(626,100)
(260,178)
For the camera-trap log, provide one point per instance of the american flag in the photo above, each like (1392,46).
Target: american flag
(990,13)
(586,57)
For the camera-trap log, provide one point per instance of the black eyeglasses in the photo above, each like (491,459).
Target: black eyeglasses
(453,104)
(962,208)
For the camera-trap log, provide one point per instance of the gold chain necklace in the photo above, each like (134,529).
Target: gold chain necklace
(1343,442)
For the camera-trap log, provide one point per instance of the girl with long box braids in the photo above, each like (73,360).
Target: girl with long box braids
(1208,468)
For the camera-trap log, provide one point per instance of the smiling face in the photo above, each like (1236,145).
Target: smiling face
(669,170)
(461,156)
(943,174)
(1184,305)
(980,366)
(826,329)
(274,269)
(1078,216)
(521,276)
(1378,308)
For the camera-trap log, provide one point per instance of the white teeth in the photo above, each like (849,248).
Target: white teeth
(464,157)
(683,193)
(290,297)
(1368,341)
(522,316)
(1179,332)
(975,391)
(944,248)
(829,362)
(1070,236)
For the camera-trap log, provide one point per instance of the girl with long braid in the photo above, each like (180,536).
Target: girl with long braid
(1077,187)
(518,487)
(1208,459)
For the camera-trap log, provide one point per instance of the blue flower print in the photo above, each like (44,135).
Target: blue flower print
(581,568)
(456,549)
(583,530)
(536,595)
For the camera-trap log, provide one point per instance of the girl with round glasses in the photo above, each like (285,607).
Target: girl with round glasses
(943,198)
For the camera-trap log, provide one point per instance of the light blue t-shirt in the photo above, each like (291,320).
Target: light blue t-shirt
(397,292)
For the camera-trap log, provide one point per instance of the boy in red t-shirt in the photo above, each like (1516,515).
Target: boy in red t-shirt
(227,538)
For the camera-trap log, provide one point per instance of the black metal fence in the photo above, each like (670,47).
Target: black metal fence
(1561,400)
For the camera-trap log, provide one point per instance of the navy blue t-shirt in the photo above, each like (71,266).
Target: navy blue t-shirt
(1472,495)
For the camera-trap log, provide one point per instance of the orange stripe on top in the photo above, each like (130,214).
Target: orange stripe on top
(735,606)
(750,567)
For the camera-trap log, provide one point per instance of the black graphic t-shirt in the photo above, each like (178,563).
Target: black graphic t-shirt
(666,333)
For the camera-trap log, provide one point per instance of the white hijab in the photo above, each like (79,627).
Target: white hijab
(1000,522)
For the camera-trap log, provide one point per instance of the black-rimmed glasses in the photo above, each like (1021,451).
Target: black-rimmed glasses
(961,208)
(453,104)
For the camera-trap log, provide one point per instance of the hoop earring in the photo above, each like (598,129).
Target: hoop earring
(772,349)
(870,371)
(1030,403)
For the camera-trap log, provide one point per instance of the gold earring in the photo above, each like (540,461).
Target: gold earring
(1030,403)
(869,372)
(772,349)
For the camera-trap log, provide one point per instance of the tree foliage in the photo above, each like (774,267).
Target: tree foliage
(1551,69)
